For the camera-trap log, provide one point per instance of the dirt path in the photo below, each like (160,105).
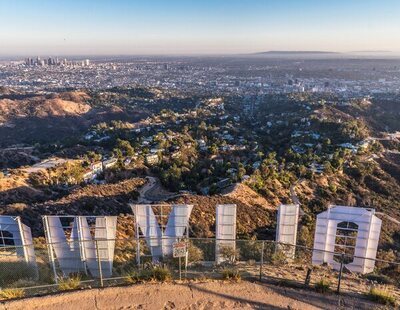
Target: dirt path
(388,217)
(210,295)
(154,192)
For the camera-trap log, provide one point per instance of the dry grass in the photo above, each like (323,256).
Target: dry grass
(382,296)
(323,286)
(71,283)
(231,274)
(11,293)
(159,274)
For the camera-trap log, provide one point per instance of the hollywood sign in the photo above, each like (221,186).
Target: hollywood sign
(87,243)
(344,235)
(160,237)
(348,230)
(286,228)
(16,238)
(79,246)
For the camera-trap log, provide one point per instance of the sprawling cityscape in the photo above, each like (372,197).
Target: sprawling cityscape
(246,74)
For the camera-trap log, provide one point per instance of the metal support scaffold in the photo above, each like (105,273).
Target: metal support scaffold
(160,225)
(16,239)
(225,231)
(286,229)
(78,243)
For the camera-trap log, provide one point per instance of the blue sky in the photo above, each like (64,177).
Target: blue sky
(196,27)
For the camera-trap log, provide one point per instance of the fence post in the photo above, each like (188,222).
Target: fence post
(180,269)
(340,274)
(187,250)
(308,277)
(262,259)
(99,263)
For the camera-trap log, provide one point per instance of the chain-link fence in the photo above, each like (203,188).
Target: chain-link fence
(115,262)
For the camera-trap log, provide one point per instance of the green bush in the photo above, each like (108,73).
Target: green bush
(154,274)
(71,283)
(230,274)
(195,254)
(11,293)
(207,247)
(11,272)
(382,296)
(278,258)
(146,275)
(161,274)
(250,250)
(322,286)
(45,273)
(228,253)
(132,277)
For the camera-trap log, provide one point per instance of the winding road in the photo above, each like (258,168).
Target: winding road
(153,191)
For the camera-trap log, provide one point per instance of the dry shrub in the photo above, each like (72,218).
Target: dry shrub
(11,293)
(382,296)
(323,286)
(71,283)
(230,274)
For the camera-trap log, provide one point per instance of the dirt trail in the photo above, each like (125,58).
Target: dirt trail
(153,191)
(210,295)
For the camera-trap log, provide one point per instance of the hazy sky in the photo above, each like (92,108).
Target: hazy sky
(65,27)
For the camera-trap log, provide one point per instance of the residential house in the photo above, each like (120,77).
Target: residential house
(110,163)
(152,159)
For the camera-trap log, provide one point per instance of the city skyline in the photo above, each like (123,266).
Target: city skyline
(186,27)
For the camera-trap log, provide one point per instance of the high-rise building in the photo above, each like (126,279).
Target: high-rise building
(29,61)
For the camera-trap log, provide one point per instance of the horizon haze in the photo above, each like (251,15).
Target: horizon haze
(196,28)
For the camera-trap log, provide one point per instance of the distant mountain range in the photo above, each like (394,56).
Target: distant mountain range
(295,53)
(372,51)
(328,54)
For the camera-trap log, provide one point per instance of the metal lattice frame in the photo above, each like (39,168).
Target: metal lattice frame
(160,225)
(225,230)
(366,243)
(81,243)
(286,230)
(18,240)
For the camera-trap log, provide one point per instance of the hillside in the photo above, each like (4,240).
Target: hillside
(48,118)
(58,105)
(113,199)
(16,189)
(109,199)
(249,197)
(252,220)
